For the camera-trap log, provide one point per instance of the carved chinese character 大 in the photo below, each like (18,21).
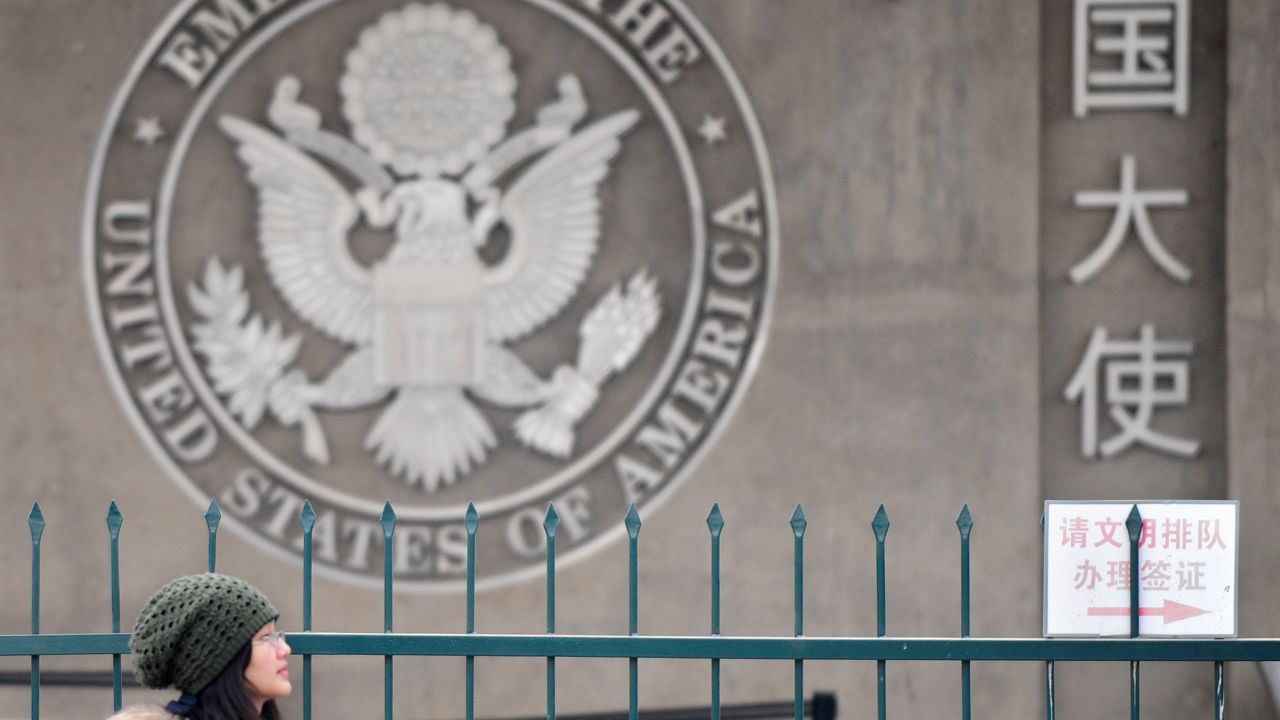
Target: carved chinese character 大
(1131,209)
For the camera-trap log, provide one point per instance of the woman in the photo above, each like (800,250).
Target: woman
(214,638)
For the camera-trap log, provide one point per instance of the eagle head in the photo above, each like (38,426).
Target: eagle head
(431,220)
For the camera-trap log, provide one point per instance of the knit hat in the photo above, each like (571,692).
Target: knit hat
(190,629)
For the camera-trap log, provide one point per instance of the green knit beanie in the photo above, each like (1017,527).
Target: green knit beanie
(189,630)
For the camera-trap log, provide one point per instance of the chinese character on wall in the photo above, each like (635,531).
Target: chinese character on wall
(1132,209)
(1139,377)
(1131,54)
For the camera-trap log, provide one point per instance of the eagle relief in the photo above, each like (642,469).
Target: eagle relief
(346,253)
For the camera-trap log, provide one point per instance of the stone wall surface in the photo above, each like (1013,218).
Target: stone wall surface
(902,366)
(1252,225)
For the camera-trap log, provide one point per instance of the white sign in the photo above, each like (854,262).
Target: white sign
(1187,568)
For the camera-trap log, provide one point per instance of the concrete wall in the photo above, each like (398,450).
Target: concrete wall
(903,367)
(1253,168)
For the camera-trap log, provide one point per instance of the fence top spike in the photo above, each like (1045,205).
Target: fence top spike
(388,519)
(880,525)
(715,521)
(36,522)
(114,520)
(213,515)
(307,517)
(632,522)
(552,523)
(1134,524)
(471,519)
(798,521)
(965,522)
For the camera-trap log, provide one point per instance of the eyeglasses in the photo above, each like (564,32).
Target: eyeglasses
(275,637)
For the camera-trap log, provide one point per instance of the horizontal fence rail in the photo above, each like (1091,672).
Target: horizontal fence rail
(635,647)
(821,707)
(754,648)
(724,647)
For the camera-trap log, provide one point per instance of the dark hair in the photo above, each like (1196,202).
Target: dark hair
(227,698)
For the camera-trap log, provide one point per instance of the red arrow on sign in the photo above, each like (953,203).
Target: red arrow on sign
(1172,611)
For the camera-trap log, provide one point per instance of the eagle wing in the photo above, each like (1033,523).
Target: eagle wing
(552,212)
(304,218)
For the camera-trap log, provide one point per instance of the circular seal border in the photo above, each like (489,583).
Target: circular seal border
(746,373)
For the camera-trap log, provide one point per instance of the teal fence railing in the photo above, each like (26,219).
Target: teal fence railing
(634,647)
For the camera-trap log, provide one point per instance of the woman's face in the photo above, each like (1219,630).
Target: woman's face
(267,676)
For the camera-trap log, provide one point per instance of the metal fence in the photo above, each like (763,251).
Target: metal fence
(633,647)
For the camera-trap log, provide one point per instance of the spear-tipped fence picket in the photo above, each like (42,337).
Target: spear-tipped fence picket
(634,647)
